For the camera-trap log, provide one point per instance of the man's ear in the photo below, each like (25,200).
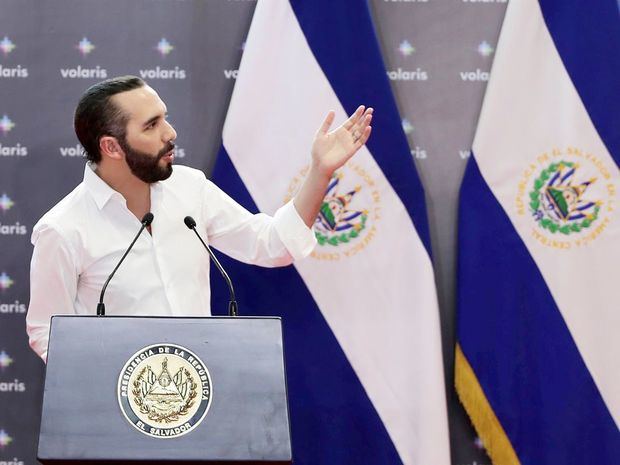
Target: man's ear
(109,147)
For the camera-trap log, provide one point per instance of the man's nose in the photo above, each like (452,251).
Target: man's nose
(170,133)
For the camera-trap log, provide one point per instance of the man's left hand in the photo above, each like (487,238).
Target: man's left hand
(331,150)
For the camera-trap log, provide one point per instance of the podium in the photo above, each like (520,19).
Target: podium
(163,390)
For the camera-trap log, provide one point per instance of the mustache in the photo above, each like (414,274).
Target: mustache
(169,146)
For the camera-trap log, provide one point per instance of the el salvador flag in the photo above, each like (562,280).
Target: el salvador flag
(361,323)
(537,363)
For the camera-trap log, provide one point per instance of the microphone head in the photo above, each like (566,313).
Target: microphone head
(147,219)
(189,222)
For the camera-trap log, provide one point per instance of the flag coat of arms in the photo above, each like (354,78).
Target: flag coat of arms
(539,235)
(360,315)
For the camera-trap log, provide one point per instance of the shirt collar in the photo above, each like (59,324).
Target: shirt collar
(97,187)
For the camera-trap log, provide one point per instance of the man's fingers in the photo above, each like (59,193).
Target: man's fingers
(359,129)
(364,137)
(364,120)
(348,124)
(327,122)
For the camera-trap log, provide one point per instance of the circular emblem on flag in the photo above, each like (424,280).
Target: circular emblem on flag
(347,218)
(164,390)
(560,201)
(570,195)
(338,222)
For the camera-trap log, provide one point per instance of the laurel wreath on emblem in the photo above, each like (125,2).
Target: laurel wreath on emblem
(139,399)
(535,203)
(341,238)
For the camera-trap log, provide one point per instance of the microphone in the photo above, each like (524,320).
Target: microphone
(232,304)
(147,219)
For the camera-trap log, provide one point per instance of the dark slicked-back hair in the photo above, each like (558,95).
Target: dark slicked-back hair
(97,116)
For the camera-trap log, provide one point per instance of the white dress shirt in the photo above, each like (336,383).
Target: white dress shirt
(79,241)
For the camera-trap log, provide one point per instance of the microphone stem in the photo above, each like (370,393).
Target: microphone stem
(232,305)
(101,305)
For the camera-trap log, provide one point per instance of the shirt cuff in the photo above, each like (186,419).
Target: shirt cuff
(298,238)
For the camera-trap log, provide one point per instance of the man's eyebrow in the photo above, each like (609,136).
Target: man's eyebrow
(151,120)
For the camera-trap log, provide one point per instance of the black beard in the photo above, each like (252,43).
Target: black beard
(145,166)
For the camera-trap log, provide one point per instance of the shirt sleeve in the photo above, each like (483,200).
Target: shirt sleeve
(258,239)
(53,285)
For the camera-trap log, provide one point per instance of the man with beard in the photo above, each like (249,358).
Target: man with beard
(129,145)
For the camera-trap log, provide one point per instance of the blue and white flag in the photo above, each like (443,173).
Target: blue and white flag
(539,313)
(361,323)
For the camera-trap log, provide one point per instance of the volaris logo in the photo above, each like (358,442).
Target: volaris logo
(6,46)
(5,360)
(85,46)
(6,124)
(5,281)
(6,203)
(5,439)
(164,47)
